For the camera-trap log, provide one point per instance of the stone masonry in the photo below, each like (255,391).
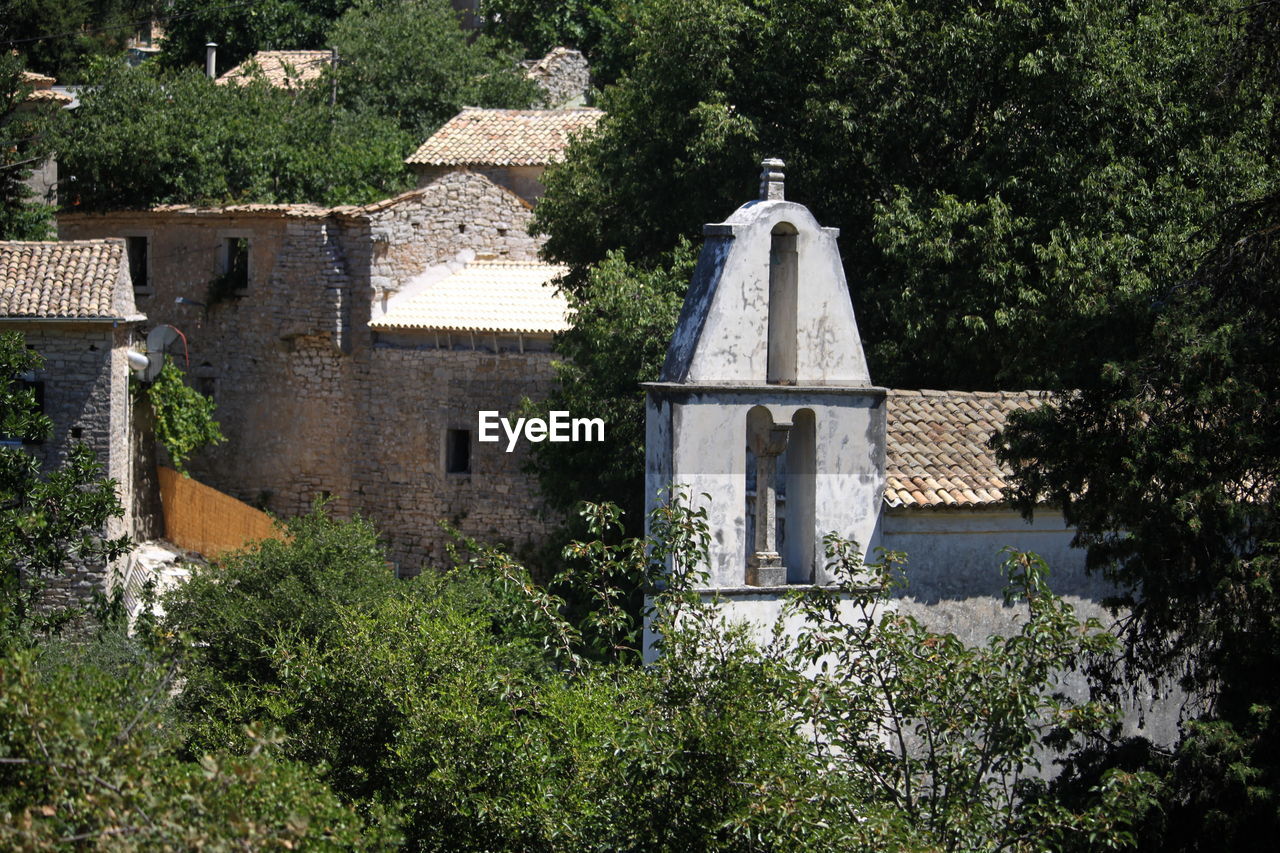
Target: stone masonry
(309,404)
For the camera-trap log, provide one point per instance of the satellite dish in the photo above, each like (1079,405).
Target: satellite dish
(159,340)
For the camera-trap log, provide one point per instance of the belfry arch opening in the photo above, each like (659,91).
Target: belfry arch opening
(783,281)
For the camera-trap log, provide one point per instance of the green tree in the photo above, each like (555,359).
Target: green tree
(992,169)
(89,762)
(468,706)
(183,416)
(601,29)
(145,136)
(47,518)
(409,60)
(1005,177)
(242,29)
(25,142)
(1167,470)
(61,37)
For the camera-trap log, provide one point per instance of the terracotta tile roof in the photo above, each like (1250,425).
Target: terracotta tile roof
(42,88)
(485,296)
(283,69)
(482,137)
(76,279)
(936,446)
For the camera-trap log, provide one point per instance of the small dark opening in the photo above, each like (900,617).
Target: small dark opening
(457,451)
(237,263)
(77,432)
(462,228)
(137,250)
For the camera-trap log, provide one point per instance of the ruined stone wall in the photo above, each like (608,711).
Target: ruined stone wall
(86,394)
(458,212)
(563,76)
(524,181)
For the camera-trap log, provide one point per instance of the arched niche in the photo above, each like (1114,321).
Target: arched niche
(799,471)
(783,283)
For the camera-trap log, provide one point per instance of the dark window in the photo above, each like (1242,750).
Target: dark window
(235,262)
(137,249)
(457,451)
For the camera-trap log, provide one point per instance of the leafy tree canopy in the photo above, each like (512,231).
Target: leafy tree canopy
(410,61)
(61,37)
(241,29)
(26,139)
(47,518)
(601,29)
(146,136)
(1006,177)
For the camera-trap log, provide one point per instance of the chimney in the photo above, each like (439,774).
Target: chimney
(211,60)
(771,180)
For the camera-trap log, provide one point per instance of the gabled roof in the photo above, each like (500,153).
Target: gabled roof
(483,137)
(936,446)
(42,88)
(75,280)
(485,296)
(283,69)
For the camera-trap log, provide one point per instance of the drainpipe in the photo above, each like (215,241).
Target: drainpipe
(211,60)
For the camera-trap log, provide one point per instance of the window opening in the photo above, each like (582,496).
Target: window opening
(136,248)
(235,262)
(457,451)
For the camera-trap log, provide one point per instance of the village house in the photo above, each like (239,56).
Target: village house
(73,303)
(324,385)
(510,147)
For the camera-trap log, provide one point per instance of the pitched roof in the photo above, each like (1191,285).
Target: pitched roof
(485,296)
(936,445)
(79,279)
(283,69)
(42,88)
(483,137)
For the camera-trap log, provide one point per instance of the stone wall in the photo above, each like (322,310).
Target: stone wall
(414,396)
(309,406)
(563,76)
(524,181)
(86,395)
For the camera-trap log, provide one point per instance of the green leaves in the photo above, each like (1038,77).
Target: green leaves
(183,416)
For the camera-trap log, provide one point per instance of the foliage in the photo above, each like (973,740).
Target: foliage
(1005,176)
(47,518)
(937,740)
(183,416)
(601,29)
(242,29)
(144,136)
(468,707)
(1168,472)
(88,762)
(624,316)
(409,61)
(25,142)
(61,37)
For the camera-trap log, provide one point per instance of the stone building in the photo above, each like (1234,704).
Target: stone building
(276,303)
(767,349)
(73,302)
(511,147)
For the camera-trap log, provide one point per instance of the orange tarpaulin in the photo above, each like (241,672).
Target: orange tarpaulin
(199,518)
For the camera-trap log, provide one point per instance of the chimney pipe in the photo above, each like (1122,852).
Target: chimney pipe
(211,60)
